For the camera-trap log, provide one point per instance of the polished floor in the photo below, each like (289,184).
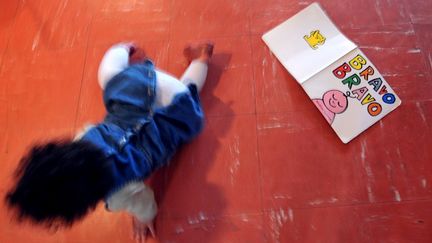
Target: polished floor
(267,167)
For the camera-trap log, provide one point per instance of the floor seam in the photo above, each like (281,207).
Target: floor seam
(82,75)
(361,204)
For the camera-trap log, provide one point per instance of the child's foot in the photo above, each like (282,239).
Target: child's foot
(202,52)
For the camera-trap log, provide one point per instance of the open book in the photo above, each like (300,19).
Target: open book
(340,80)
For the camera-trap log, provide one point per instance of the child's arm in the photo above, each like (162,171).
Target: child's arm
(83,131)
(137,199)
(115,60)
(142,204)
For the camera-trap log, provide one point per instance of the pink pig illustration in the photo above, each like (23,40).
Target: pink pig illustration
(333,102)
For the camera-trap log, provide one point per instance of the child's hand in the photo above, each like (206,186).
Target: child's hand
(130,47)
(140,230)
(137,56)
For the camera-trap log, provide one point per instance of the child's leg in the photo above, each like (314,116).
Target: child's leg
(196,74)
(167,87)
(199,57)
(115,60)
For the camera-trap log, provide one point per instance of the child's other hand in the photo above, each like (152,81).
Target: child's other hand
(141,230)
(137,56)
(128,46)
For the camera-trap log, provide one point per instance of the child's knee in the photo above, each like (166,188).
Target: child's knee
(167,87)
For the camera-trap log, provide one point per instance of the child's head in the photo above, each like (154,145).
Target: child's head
(59,182)
(335,101)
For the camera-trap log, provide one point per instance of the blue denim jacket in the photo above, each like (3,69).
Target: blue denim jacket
(135,137)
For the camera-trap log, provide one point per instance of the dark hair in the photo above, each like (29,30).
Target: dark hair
(59,182)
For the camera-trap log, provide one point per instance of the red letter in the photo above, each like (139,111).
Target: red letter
(383,90)
(341,71)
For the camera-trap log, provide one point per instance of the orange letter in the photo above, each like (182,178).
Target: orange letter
(374,109)
(368,71)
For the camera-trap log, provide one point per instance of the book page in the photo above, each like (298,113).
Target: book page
(307,43)
(351,94)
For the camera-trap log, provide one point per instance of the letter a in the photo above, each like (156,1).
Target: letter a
(376,83)
(360,92)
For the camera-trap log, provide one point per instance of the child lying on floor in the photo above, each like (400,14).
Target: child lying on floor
(149,115)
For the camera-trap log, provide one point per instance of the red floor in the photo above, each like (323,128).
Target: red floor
(267,168)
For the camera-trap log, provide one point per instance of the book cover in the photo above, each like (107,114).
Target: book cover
(340,80)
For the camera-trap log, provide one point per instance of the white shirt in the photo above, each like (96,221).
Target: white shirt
(135,197)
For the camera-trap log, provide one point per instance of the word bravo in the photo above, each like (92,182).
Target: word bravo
(362,94)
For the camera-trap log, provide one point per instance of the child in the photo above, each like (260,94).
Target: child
(149,115)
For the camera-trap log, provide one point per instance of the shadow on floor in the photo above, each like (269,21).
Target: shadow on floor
(184,180)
